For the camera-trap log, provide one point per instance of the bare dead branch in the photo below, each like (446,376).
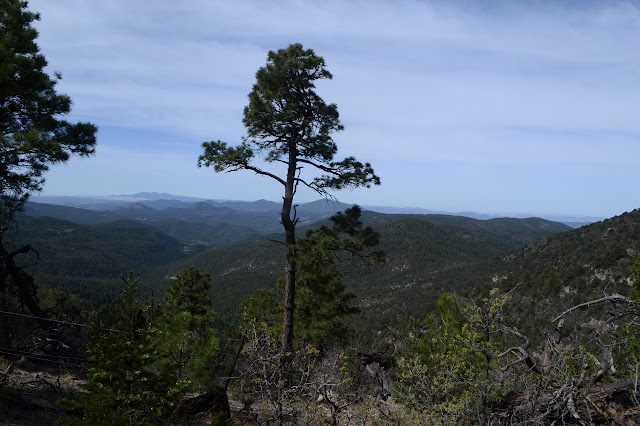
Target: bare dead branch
(24,250)
(613,298)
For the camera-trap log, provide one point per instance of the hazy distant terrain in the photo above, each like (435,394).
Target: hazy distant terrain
(163,200)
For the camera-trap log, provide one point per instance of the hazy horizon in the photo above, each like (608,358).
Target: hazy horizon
(132,197)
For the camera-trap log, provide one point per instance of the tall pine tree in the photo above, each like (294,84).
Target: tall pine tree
(291,125)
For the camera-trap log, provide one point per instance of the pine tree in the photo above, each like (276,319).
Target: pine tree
(291,125)
(32,136)
(190,292)
(190,344)
(125,384)
(323,304)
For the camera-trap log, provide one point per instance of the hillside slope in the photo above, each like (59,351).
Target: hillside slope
(558,272)
(544,277)
(413,246)
(419,249)
(88,259)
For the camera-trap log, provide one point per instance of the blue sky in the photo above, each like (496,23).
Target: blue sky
(487,106)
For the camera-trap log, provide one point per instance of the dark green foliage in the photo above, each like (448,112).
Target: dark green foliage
(190,344)
(200,236)
(288,122)
(238,271)
(635,274)
(125,383)
(88,259)
(283,96)
(264,309)
(634,341)
(189,292)
(345,235)
(323,304)
(32,137)
(13,330)
(142,365)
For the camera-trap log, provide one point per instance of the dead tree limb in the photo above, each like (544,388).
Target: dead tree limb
(614,298)
(523,351)
(25,289)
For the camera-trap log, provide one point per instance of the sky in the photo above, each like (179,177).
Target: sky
(459,105)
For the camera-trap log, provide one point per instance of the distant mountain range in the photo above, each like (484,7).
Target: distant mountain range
(160,201)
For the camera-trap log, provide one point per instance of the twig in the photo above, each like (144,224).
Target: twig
(40,380)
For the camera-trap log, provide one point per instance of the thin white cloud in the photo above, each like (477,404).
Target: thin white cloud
(484,84)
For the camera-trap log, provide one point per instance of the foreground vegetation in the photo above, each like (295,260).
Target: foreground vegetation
(465,363)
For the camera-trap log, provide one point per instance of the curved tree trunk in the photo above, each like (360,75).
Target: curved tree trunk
(24,289)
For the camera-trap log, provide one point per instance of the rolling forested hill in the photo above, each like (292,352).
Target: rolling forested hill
(545,277)
(414,247)
(87,257)
(561,271)
(472,258)
(550,266)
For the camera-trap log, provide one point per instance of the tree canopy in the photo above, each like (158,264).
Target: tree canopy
(288,122)
(32,135)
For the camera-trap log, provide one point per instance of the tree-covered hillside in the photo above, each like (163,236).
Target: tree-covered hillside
(414,246)
(88,258)
(561,271)
(544,277)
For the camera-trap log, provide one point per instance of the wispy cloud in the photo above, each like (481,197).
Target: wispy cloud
(545,87)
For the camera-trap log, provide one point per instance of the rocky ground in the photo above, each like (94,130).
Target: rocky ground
(29,394)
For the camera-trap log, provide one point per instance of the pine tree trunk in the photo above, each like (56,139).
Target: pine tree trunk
(289,292)
(289,225)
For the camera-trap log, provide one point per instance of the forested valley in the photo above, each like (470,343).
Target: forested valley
(165,310)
